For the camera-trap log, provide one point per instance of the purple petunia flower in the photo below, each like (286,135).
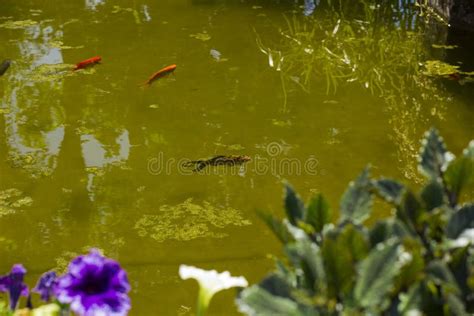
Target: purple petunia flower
(45,285)
(13,284)
(94,285)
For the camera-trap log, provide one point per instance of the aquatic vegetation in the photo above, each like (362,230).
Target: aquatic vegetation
(210,283)
(437,68)
(417,261)
(13,201)
(365,46)
(188,221)
(204,36)
(18,24)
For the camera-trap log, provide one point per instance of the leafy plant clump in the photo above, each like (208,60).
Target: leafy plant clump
(419,261)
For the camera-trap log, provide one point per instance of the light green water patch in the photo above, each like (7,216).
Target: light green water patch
(13,201)
(188,221)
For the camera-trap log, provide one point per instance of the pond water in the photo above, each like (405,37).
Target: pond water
(91,159)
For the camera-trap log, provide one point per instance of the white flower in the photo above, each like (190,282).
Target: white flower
(210,282)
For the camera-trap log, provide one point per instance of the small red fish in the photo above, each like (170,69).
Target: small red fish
(88,62)
(160,73)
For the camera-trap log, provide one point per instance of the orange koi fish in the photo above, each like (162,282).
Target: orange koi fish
(160,73)
(87,63)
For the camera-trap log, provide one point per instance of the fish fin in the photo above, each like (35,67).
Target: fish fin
(200,165)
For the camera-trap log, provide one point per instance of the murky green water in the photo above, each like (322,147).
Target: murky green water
(90,159)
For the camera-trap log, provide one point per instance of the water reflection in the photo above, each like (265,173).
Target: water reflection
(34,120)
(98,156)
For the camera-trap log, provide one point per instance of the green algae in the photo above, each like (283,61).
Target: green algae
(14,25)
(188,221)
(438,68)
(13,201)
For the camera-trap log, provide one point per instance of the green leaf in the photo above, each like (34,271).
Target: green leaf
(356,241)
(410,210)
(433,195)
(338,266)
(433,155)
(376,274)
(293,205)
(276,285)
(306,255)
(455,306)
(318,213)
(411,301)
(277,226)
(356,203)
(461,220)
(257,301)
(458,175)
(386,229)
(439,272)
(390,190)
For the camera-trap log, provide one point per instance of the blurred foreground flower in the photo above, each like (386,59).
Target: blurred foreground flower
(13,284)
(94,285)
(45,285)
(210,282)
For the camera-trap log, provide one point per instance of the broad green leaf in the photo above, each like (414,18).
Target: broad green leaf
(355,240)
(276,285)
(433,155)
(318,213)
(410,210)
(277,227)
(433,195)
(459,265)
(411,301)
(389,190)
(458,175)
(461,220)
(454,306)
(306,255)
(356,203)
(387,229)
(340,270)
(293,205)
(376,275)
(414,264)
(439,272)
(257,301)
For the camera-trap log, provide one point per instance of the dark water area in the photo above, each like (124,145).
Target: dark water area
(91,159)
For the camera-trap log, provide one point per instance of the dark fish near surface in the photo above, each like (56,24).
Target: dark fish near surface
(233,160)
(4,66)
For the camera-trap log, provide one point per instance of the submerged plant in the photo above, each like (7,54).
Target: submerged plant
(419,261)
(210,282)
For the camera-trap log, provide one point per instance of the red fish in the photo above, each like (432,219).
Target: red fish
(160,73)
(88,62)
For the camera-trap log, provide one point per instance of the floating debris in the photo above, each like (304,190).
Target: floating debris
(154,106)
(188,221)
(4,66)
(215,54)
(201,36)
(444,46)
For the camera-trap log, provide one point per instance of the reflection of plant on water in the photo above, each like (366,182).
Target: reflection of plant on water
(356,46)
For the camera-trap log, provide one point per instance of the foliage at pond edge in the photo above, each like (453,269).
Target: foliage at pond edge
(419,261)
